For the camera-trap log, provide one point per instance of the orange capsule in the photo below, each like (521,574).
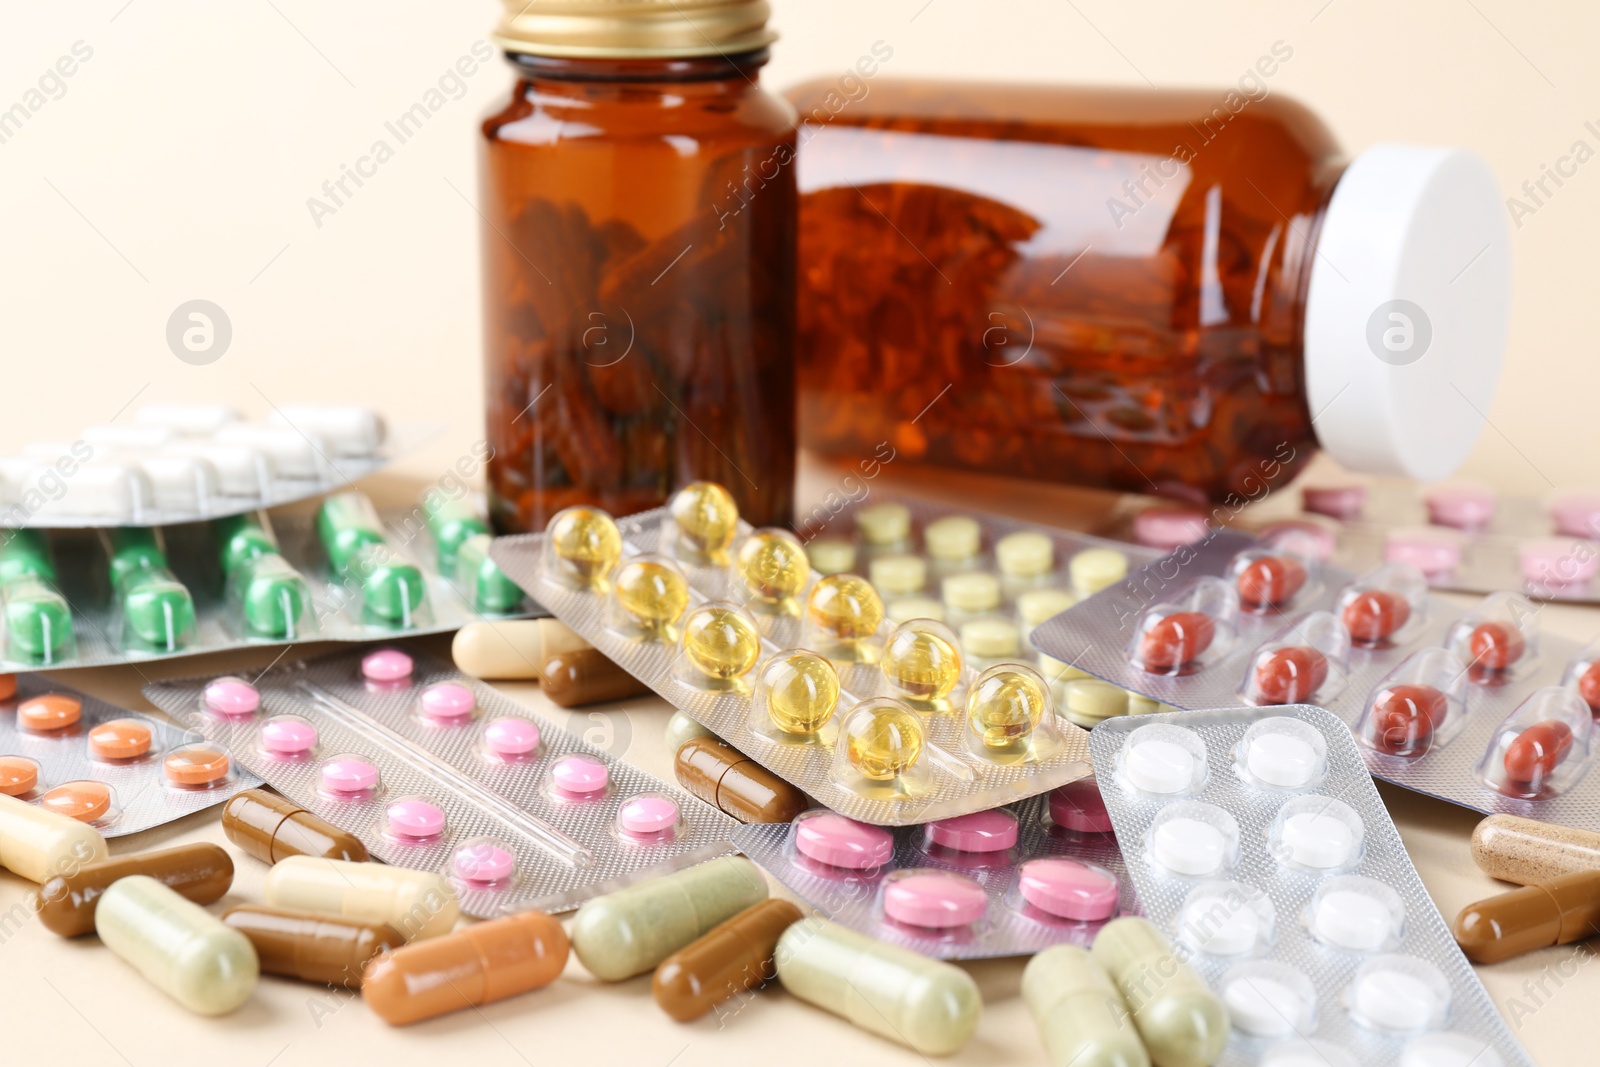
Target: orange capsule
(1404,718)
(1375,614)
(18,775)
(196,765)
(1269,581)
(84,801)
(48,712)
(1176,639)
(119,739)
(1494,646)
(1290,675)
(8,686)
(1531,758)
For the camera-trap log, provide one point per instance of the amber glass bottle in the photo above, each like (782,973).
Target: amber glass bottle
(639,249)
(1143,290)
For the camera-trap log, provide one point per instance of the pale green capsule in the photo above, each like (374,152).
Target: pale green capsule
(1082,1019)
(931,1006)
(628,932)
(1182,1022)
(681,728)
(182,949)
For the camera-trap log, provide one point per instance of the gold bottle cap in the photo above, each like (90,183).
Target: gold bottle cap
(634,29)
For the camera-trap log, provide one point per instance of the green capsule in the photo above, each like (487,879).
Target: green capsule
(1082,1018)
(157,610)
(1182,1022)
(452,523)
(392,590)
(38,621)
(25,552)
(347,524)
(478,576)
(273,597)
(132,551)
(239,539)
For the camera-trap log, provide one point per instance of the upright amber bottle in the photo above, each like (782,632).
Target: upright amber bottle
(639,253)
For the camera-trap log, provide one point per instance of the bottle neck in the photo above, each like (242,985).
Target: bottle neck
(741,68)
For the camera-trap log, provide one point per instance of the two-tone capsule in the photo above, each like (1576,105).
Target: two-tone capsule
(476,965)
(1556,912)
(733,783)
(313,948)
(732,959)
(418,904)
(38,844)
(199,872)
(270,828)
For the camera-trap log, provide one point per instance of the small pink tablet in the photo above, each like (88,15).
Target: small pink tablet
(386,665)
(511,736)
(1343,502)
(981,831)
(1301,534)
(1462,507)
(1576,514)
(414,818)
(841,842)
(288,737)
(580,776)
(934,899)
(1559,561)
(448,702)
(483,863)
(647,814)
(1079,806)
(1429,551)
(1068,889)
(232,696)
(348,774)
(1170,528)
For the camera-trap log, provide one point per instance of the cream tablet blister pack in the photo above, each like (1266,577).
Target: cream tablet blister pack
(436,771)
(1005,882)
(1256,841)
(117,770)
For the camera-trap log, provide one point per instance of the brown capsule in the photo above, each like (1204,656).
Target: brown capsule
(1526,851)
(579,676)
(270,827)
(200,872)
(313,948)
(732,782)
(476,965)
(728,960)
(1557,912)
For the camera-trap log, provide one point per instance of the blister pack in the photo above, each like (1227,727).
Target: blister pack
(436,771)
(1473,706)
(172,463)
(801,672)
(85,598)
(1258,844)
(115,769)
(1005,882)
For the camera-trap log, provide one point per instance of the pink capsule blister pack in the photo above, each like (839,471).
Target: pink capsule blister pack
(115,769)
(434,770)
(1256,840)
(1003,882)
(1474,706)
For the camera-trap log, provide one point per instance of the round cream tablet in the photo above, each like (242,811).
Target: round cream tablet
(990,638)
(976,592)
(884,524)
(952,538)
(1025,554)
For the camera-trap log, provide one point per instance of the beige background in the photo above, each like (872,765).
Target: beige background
(177,163)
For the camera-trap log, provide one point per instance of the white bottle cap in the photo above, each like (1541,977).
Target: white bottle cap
(1407,310)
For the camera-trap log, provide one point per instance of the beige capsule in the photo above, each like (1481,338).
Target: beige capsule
(511,649)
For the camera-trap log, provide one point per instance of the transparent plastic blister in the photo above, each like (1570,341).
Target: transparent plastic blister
(1322,941)
(90,598)
(118,770)
(1007,881)
(437,771)
(807,693)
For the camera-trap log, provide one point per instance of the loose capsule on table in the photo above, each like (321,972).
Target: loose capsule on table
(1557,912)
(313,948)
(681,729)
(1525,851)
(476,965)
(67,903)
(922,663)
(1182,1022)
(931,1006)
(799,692)
(734,783)
(181,948)
(270,828)
(632,930)
(511,648)
(38,845)
(731,959)
(581,676)
(1079,1011)
(419,904)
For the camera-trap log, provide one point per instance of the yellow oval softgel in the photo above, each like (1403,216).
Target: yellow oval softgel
(846,606)
(653,593)
(773,565)
(883,739)
(800,690)
(922,661)
(721,641)
(706,516)
(1006,704)
(586,541)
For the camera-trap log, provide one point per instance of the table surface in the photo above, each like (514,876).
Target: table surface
(69,1002)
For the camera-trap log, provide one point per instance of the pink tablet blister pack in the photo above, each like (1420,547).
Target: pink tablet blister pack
(436,771)
(1003,882)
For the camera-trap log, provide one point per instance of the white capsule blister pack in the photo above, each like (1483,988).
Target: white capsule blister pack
(1256,841)
(1005,882)
(436,771)
(171,463)
(1475,707)
(117,770)
(793,668)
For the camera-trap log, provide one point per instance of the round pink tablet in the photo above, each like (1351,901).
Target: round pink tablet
(1462,507)
(841,842)
(1558,561)
(1335,501)
(647,814)
(348,775)
(483,862)
(448,702)
(386,665)
(1079,806)
(1068,889)
(511,736)
(1169,528)
(1429,552)
(415,818)
(232,696)
(1576,514)
(982,831)
(288,737)
(580,775)
(934,899)
(1316,537)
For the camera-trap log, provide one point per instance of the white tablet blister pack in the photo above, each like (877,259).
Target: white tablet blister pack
(172,463)
(1259,846)
(888,725)
(1005,882)
(436,771)
(115,769)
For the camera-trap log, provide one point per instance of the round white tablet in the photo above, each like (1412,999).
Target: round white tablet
(1394,1000)
(1352,919)
(1316,840)
(1220,931)
(1264,1006)
(1283,760)
(1188,846)
(1448,1050)
(1157,766)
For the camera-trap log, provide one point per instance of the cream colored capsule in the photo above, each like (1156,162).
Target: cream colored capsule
(1079,1011)
(419,904)
(39,844)
(512,649)
(182,949)
(931,1006)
